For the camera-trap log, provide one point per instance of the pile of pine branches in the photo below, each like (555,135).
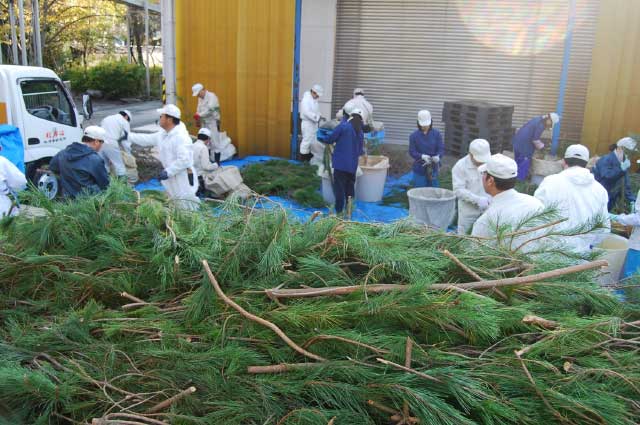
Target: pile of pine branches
(119,310)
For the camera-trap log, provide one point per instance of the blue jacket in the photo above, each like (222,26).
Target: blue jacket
(81,169)
(349,147)
(425,144)
(608,173)
(528,133)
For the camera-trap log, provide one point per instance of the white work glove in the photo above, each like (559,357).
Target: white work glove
(538,144)
(215,166)
(483,202)
(426,159)
(435,159)
(625,164)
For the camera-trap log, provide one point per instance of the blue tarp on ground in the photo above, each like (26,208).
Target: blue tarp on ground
(363,211)
(11,144)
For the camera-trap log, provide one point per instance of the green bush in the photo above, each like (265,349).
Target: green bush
(116,79)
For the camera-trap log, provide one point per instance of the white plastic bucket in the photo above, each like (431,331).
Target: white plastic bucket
(614,249)
(432,206)
(370,187)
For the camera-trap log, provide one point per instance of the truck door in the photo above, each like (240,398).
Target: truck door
(50,119)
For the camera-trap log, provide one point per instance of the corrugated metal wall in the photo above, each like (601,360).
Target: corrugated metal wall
(613,101)
(412,55)
(243,51)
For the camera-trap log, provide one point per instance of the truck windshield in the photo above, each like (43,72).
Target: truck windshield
(47,99)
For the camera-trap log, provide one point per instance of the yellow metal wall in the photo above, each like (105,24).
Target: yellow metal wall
(243,51)
(613,98)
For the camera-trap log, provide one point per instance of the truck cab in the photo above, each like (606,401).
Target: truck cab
(36,101)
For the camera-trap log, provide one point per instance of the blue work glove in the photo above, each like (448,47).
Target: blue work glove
(624,165)
(163,175)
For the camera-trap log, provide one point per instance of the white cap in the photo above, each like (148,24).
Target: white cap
(171,110)
(358,91)
(356,111)
(318,89)
(96,133)
(578,152)
(500,166)
(196,89)
(627,143)
(424,118)
(126,111)
(205,131)
(555,118)
(480,150)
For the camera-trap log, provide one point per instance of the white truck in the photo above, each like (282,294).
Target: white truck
(37,102)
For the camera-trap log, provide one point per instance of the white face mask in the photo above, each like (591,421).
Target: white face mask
(620,154)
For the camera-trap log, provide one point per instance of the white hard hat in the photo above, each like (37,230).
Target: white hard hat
(577,151)
(196,89)
(205,131)
(555,118)
(627,143)
(358,91)
(95,132)
(500,166)
(424,118)
(318,89)
(171,110)
(356,111)
(480,150)
(126,111)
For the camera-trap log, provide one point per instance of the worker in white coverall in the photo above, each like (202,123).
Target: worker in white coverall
(579,198)
(508,208)
(117,127)
(201,161)
(467,185)
(176,155)
(11,181)
(208,110)
(310,116)
(358,101)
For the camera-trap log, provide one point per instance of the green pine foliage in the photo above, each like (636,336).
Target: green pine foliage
(74,348)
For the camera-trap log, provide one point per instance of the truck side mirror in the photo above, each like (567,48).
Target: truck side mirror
(87,106)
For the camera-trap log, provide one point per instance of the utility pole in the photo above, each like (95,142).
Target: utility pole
(146,43)
(14,38)
(35,7)
(23,41)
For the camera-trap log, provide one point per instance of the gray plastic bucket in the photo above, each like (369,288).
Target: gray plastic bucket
(432,206)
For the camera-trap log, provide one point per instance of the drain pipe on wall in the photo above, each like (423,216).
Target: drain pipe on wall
(563,76)
(296,80)
(168,28)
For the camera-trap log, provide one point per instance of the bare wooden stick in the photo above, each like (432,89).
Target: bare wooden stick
(408,349)
(114,416)
(255,318)
(332,421)
(380,288)
(132,298)
(315,215)
(382,407)
(533,229)
(281,368)
(168,402)
(539,321)
(347,340)
(462,265)
(408,369)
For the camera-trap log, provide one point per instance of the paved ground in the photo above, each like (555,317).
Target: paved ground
(144,113)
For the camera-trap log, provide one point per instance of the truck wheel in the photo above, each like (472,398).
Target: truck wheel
(47,183)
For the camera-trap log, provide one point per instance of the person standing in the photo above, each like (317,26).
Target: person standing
(612,171)
(427,149)
(360,102)
(467,185)
(117,128)
(348,138)
(527,140)
(11,181)
(508,208)
(310,116)
(578,197)
(208,110)
(80,167)
(176,156)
